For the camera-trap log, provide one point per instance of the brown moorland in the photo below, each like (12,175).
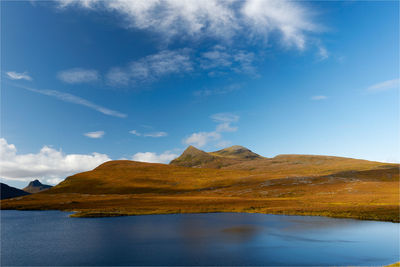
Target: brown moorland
(230,180)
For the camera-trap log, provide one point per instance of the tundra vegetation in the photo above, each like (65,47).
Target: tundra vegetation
(230,180)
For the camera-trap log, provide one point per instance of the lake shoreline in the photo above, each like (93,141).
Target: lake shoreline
(105,214)
(112,205)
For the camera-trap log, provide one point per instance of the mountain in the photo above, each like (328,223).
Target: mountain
(10,192)
(193,157)
(238,152)
(235,180)
(36,186)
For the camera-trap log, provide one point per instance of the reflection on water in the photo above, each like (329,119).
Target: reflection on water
(52,238)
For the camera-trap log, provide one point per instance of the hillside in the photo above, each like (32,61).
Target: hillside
(10,192)
(286,184)
(193,157)
(36,186)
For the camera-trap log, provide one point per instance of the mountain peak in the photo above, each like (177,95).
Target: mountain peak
(191,150)
(36,186)
(35,182)
(192,157)
(237,152)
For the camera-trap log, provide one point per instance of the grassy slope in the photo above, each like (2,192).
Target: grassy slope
(287,184)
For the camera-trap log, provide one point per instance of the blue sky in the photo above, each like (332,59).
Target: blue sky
(83,82)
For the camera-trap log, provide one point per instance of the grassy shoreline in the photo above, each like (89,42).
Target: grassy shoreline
(94,214)
(131,205)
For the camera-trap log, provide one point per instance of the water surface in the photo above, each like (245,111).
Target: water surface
(50,238)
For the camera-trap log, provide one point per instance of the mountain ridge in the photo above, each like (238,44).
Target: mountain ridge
(36,186)
(11,192)
(194,157)
(287,184)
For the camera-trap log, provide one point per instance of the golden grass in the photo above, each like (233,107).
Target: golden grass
(293,185)
(397,264)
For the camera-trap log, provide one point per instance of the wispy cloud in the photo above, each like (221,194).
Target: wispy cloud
(97,134)
(66,97)
(256,22)
(384,86)
(135,133)
(78,75)
(220,59)
(217,91)
(152,67)
(155,134)
(201,139)
(319,97)
(152,157)
(224,117)
(251,19)
(291,19)
(322,53)
(18,76)
(151,134)
(50,164)
(224,121)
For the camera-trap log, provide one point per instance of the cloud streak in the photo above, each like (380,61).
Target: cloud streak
(18,76)
(217,91)
(78,75)
(95,135)
(152,67)
(319,97)
(66,97)
(384,86)
(151,134)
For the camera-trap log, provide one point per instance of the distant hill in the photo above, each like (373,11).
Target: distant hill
(10,192)
(193,157)
(229,180)
(36,186)
(241,158)
(237,152)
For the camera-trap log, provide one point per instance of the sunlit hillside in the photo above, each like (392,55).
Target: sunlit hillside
(286,184)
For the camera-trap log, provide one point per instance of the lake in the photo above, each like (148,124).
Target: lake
(50,238)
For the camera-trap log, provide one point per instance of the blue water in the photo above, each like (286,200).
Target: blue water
(50,238)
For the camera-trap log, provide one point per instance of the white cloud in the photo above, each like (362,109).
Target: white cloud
(151,157)
(49,164)
(319,97)
(217,91)
(135,133)
(224,117)
(155,134)
(226,127)
(170,17)
(224,121)
(78,75)
(322,53)
(250,19)
(222,59)
(66,97)
(254,22)
(18,76)
(97,134)
(289,18)
(384,86)
(202,138)
(151,134)
(152,67)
